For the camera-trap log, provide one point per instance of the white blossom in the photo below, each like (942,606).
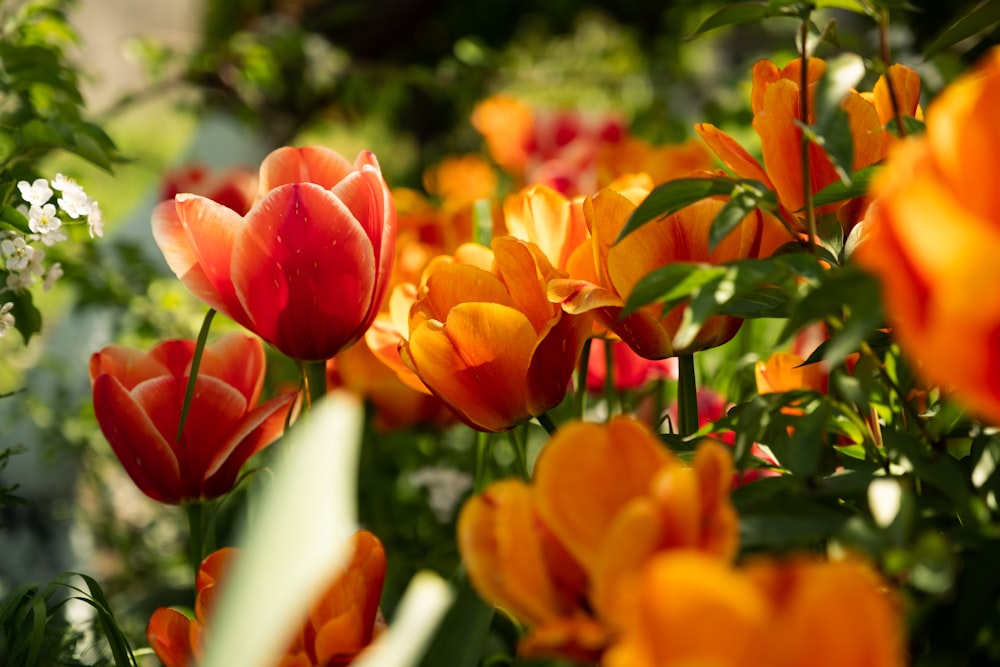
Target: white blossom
(74,201)
(54,273)
(17,252)
(6,318)
(19,280)
(37,193)
(95,220)
(42,220)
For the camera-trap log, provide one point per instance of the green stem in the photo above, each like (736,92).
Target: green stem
(547,423)
(610,391)
(199,348)
(483,441)
(314,378)
(807,193)
(581,380)
(197,522)
(519,440)
(687,395)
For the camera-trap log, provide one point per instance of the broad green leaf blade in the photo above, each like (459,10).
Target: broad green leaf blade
(734,14)
(298,540)
(426,600)
(857,6)
(978,20)
(674,195)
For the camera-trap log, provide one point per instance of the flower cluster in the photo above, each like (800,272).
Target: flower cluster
(21,262)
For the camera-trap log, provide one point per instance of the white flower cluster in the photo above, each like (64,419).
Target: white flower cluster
(445,487)
(24,263)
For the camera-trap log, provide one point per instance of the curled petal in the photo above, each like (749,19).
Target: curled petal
(168,635)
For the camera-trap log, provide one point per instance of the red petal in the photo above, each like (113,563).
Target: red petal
(168,636)
(309,164)
(305,270)
(141,448)
(128,365)
(238,360)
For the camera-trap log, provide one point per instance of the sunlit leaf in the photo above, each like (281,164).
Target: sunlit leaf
(977,20)
(839,191)
(671,284)
(746,197)
(674,195)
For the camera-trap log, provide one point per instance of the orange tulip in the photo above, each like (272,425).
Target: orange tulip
(775,101)
(307,267)
(484,338)
(605,500)
(340,624)
(783,371)
(604,273)
(632,155)
(932,236)
(138,398)
(687,608)
(828,613)
(548,219)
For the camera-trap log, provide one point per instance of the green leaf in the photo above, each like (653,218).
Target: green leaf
(461,636)
(747,197)
(14,219)
(839,191)
(27,317)
(977,20)
(671,284)
(672,196)
(856,6)
(734,14)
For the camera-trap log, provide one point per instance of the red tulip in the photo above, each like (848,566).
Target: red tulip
(307,267)
(138,398)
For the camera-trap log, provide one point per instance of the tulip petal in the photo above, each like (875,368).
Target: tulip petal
(450,285)
(308,164)
(476,362)
(139,445)
(585,475)
(128,365)
(554,361)
(238,360)
(525,272)
(168,635)
(305,271)
(258,429)
(734,156)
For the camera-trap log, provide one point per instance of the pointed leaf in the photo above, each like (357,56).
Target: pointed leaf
(674,195)
(839,191)
(977,20)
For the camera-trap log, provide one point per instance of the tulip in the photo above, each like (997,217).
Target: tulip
(307,267)
(828,613)
(138,398)
(932,236)
(234,188)
(485,339)
(785,371)
(604,272)
(606,498)
(341,623)
(628,370)
(775,100)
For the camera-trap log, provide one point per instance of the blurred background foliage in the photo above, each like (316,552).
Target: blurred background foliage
(395,76)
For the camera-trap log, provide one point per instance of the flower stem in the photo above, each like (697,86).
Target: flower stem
(519,439)
(547,423)
(314,378)
(483,441)
(687,395)
(197,522)
(581,380)
(610,392)
(807,193)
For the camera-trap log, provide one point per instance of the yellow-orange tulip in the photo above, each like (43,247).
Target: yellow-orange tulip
(486,340)
(775,100)
(603,273)
(514,561)
(606,499)
(783,371)
(547,218)
(828,614)
(932,236)
(687,608)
